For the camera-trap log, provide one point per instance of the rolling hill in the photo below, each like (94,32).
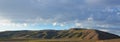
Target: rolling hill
(74,33)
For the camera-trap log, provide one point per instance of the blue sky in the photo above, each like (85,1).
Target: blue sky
(60,14)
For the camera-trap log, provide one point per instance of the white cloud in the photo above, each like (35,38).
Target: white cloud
(104,30)
(7,24)
(14,25)
(58,24)
(79,25)
(103,25)
(109,9)
(55,23)
(3,20)
(41,20)
(118,13)
(90,19)
(25,24)
(62,24)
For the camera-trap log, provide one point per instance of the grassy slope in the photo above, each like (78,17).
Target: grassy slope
(72,35)
(59,40)
(81,34)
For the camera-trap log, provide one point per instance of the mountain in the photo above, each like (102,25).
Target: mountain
(74,33)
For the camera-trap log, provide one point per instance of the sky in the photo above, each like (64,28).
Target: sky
(60,15)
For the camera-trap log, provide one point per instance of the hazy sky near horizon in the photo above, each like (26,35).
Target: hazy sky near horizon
(60,14)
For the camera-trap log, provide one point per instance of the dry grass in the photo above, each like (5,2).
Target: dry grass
(58,40)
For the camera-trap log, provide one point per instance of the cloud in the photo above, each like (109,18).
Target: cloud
(54,24)
(4,20)
(64,13)
(118,13)
(93,1)
(54,8)
(62,25)
(25,24)
(103,2)
(90,19)
(103,25)
(104,30)
(78,25)
(7,23)
(39,20)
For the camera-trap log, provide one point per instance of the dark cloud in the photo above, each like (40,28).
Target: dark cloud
(62,11)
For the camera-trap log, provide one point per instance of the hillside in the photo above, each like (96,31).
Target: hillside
(74,33)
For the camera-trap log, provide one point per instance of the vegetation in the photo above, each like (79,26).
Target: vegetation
(72,35)
(58,40)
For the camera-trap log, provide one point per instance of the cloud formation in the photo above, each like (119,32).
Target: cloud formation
(94,14)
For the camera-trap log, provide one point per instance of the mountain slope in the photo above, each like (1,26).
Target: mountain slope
(75,33)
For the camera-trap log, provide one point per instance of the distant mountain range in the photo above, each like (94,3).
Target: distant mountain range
(74,33)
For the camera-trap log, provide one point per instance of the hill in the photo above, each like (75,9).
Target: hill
(74,33)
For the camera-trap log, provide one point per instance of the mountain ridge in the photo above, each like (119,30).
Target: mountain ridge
(74,33)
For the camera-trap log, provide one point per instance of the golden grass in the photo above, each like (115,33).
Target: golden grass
(58,40)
